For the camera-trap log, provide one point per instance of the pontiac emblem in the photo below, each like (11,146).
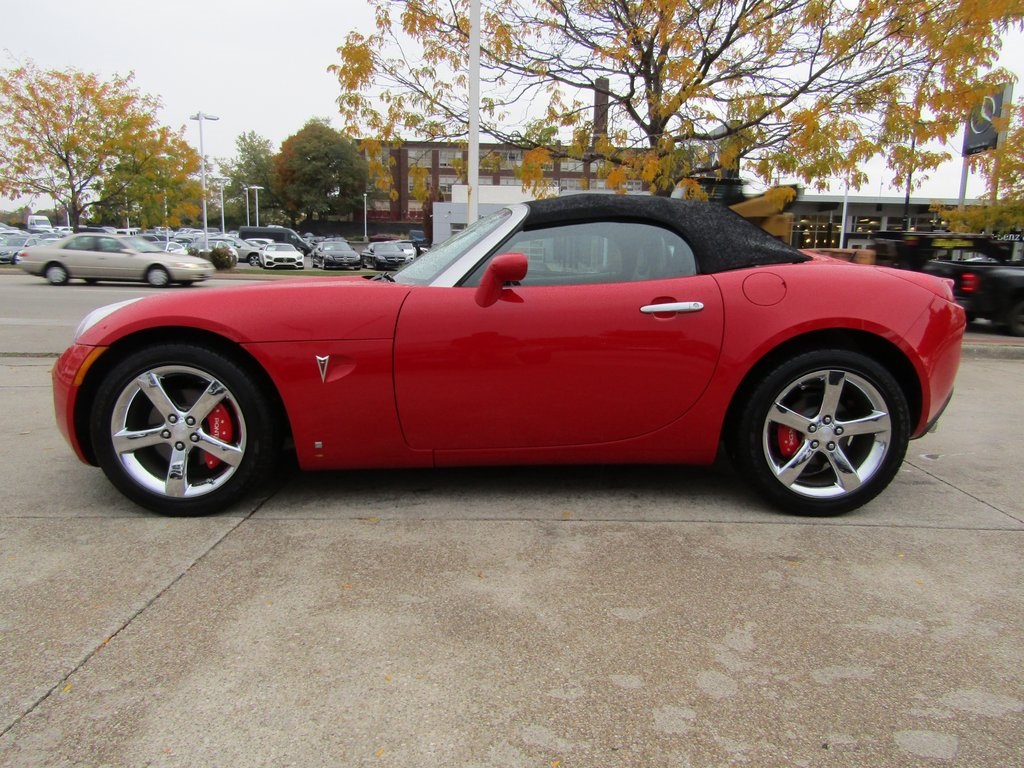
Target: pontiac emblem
(322,365)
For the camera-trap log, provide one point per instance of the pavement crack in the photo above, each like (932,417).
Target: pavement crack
(77,667)
(968,494)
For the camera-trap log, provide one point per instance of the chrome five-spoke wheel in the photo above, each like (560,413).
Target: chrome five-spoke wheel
(182,429)
(822,433)
(827,433)
(178,432)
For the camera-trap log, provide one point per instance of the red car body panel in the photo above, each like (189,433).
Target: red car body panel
(551,367)
(421,376)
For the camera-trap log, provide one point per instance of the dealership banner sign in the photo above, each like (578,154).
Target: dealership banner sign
(980,134)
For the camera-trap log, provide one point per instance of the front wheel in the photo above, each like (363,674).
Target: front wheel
(158,277)
(254,260)
(183,430)
(823,433)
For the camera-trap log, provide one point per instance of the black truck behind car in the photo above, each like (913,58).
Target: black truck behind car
(988,282)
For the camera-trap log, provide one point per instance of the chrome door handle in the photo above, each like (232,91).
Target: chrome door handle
(679,307)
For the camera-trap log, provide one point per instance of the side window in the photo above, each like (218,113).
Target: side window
(80,243)
(109,245)
(599,252)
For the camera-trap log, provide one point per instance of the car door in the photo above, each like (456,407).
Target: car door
(578,353)
(118,261)
(81,256)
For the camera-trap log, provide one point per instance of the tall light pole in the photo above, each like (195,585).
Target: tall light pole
(910,174)
(473,182)
(365,238)
(257,187)
(200,117)
(246,188)
(221,181)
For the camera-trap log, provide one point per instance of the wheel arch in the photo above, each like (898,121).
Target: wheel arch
(879,349)
(122,348)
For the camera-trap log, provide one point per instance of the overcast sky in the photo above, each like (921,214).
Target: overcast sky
(256,66)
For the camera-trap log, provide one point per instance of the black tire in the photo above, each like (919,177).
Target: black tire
(253,259)
(1015,319)
(181,405)
(56,274)
(823,433)
(158,277)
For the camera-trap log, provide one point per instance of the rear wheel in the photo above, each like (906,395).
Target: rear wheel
(183,430)
(254,260)
(57,274)
(1015,319)
(823,433)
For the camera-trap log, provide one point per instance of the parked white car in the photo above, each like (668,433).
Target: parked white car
(274,255)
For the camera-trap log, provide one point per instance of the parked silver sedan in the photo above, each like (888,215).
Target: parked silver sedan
(95,256)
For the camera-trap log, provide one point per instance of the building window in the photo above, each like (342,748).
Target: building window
(511,159)
(821,230)
(420,158)
(449,158)
(867,224)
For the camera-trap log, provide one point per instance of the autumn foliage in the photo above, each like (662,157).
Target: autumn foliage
(806,89)
(89,143)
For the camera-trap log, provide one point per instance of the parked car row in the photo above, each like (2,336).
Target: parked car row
(273,252)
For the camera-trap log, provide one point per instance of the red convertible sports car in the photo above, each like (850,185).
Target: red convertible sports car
(592,329)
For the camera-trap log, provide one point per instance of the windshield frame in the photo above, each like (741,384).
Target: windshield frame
(446,264)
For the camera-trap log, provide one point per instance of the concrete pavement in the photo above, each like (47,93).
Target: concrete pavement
(641,616)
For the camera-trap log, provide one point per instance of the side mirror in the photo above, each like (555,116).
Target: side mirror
(506,268)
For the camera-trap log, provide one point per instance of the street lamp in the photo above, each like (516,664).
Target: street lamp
(246,188)
(365,239)
(221,181)
(200,117)
(256,187)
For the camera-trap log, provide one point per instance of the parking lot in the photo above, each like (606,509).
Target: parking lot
(624,616)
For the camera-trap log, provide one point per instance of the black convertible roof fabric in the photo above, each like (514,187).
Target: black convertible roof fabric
(721,239)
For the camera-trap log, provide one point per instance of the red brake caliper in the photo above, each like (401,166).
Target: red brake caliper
(218,424)
(789,440)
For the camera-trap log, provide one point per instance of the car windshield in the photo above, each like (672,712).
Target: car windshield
(15,239)
(142,245)
(431,264)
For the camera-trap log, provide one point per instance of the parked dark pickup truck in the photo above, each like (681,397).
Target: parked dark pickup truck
(987,282)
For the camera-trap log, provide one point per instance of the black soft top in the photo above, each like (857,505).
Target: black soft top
(720,238)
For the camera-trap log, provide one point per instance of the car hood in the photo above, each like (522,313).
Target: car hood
(287,310)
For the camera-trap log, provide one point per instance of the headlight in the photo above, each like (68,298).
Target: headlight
(99,314)
(188,265)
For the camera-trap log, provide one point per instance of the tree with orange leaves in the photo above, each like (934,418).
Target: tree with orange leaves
(777,88)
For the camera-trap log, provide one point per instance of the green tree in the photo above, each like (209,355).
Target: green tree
(252,166)
(781,88)
(319,173)
(87,143)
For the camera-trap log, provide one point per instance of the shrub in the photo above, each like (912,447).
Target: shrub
(219,256)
